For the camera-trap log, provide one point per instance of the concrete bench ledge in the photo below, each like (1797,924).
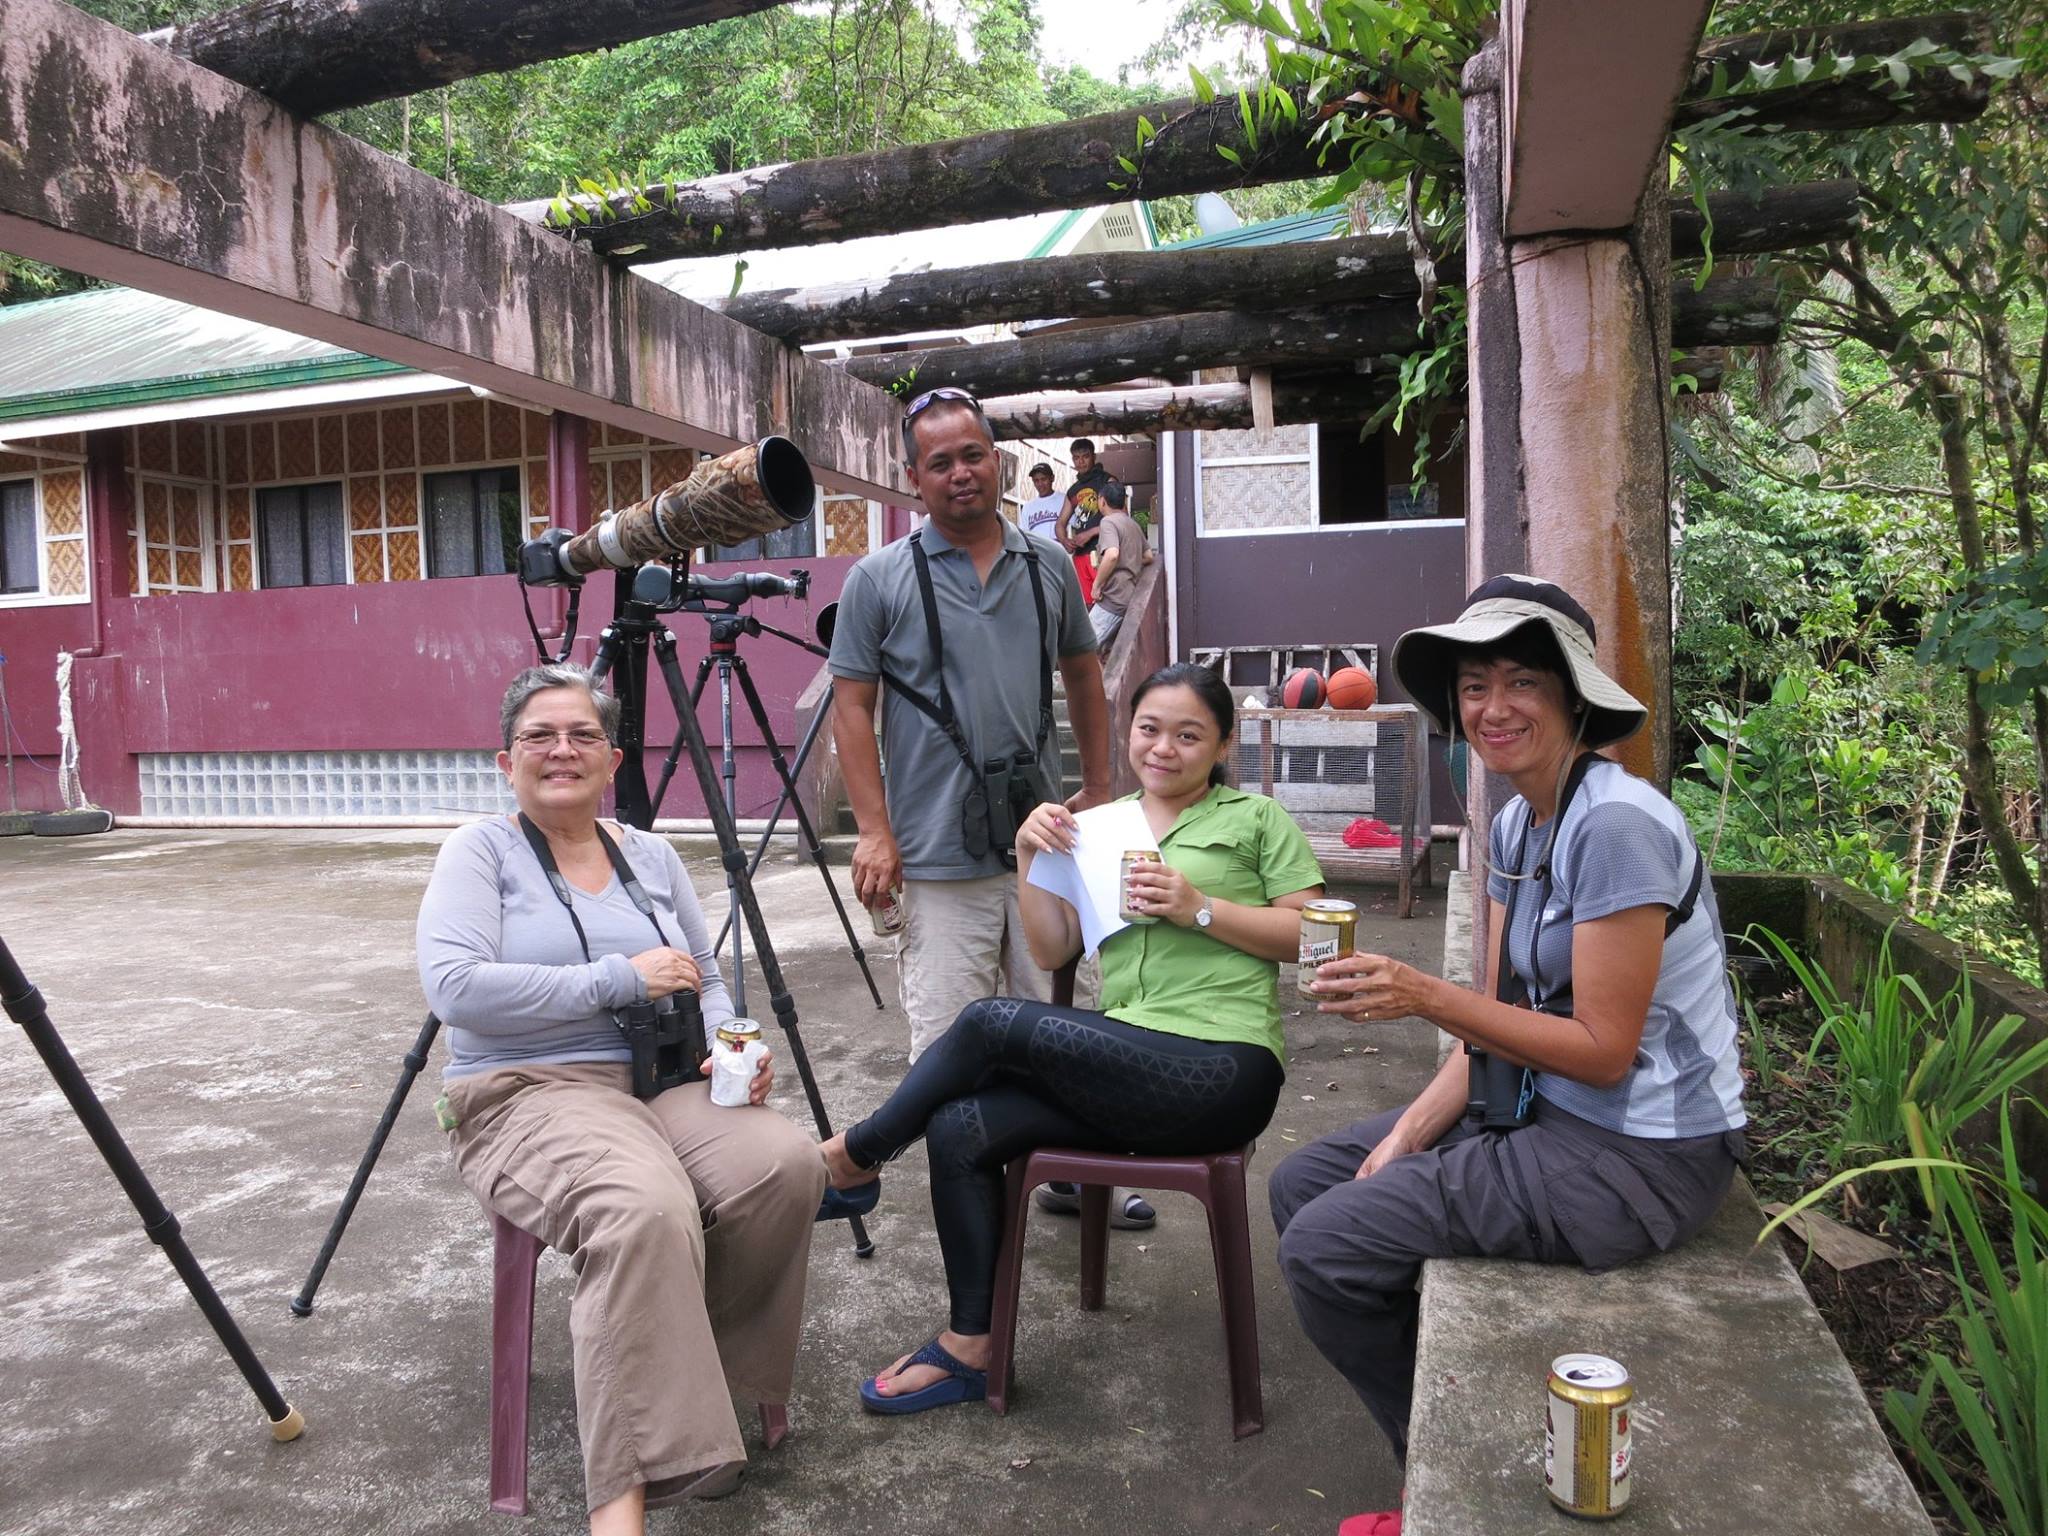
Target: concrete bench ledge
(1748,1418)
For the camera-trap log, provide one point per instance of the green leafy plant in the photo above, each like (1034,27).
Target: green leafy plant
(1915,1069)
(1996,1389)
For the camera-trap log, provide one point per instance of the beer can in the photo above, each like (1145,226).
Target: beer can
(887,915)
(1586,1442)
(1131,859)
(1329,931)
(735,1061)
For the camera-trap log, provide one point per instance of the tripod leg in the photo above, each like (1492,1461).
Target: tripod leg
(24,1005)
(675,755)
(735,862)
(807,836)
(415,1059)
(803,752)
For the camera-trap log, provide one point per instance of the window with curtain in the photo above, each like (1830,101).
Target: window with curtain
(302,535)
(475,523)
(18,567)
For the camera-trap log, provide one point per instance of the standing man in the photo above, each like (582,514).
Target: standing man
(1041,514)
(1094,492)
(971,689)
(1120,553)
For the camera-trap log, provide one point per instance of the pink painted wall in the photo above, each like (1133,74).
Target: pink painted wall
(392,666)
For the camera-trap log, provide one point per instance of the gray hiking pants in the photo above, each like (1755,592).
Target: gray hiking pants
(1559,1191)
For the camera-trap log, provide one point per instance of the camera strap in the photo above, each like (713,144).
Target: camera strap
(942,714)
(1510,988)
(636,892)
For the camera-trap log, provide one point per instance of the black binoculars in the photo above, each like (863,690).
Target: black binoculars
(666,1037)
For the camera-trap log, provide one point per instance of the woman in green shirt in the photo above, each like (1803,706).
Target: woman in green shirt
(1184,1058)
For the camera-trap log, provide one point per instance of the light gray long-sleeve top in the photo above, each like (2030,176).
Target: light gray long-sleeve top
(500,962)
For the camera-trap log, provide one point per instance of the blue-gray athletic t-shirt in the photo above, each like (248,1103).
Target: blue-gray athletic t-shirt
(1622,844)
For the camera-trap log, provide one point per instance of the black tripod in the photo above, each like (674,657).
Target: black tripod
(641,598)
(727,625)
(24,1005)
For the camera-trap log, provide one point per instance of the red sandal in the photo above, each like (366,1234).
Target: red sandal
(1385,1522)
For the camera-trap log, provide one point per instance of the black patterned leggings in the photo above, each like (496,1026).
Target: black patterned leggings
(1012,1075)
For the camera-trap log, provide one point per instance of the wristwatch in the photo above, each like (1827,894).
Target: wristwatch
(1207,915)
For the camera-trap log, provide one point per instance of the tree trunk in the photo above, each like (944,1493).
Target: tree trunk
(1125,284)
(1075,164)
(1734,311)
(1188,408)
(323,55)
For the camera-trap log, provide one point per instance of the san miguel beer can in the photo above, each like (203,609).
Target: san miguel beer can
(1128,865)
(1586,1445)
(886,915)
(1329,931)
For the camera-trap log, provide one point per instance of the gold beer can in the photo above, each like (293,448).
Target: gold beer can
(1329,931)
(1132,857)
(1586,1441)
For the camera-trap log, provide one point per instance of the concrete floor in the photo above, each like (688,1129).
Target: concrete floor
(241,1001)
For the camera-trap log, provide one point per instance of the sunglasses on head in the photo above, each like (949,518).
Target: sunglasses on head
(947,392)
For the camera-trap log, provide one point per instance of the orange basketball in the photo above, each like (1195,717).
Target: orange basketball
(1353,688)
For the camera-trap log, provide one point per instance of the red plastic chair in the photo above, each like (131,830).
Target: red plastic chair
(515,1259)
(1216,1180)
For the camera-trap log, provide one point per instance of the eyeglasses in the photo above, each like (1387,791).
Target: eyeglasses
(584,738)
(948,392)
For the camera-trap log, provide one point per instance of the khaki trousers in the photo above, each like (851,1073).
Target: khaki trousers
(689,1229)
(962,941)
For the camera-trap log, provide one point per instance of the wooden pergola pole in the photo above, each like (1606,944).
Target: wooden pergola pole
(319,56)
(1127,284)
(1060,166)
(1729,311)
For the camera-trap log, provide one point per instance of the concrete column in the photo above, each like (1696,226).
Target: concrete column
(108,770)
(569,470)
(1496,528)
(1592,316)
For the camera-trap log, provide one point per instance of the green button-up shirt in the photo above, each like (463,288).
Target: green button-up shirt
(1236,847)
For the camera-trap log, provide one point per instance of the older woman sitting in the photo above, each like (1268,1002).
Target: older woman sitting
(1595,1115)
(689,1225)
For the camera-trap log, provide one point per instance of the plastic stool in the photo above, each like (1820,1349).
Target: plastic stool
(1217,1180)
(515,1259)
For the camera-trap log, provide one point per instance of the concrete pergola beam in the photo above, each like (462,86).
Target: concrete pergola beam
(121,160)
(1580,146)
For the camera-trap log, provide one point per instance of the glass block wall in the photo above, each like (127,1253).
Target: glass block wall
(321,784)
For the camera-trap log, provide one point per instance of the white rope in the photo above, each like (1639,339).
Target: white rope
(67,763)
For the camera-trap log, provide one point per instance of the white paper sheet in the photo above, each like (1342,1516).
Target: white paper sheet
(1087,879)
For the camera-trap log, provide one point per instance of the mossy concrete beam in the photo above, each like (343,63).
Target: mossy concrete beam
(121,160)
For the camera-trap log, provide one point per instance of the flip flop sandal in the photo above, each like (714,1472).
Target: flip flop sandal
(1385,1522)
(962,1384)
(840,1204)
(1133,1213)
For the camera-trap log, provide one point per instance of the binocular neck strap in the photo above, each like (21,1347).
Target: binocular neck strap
(1508,987)
(947,720)
(637,893)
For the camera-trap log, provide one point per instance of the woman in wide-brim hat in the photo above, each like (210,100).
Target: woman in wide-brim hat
(1602,1042)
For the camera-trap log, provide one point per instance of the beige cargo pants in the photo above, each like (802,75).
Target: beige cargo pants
(689,1227)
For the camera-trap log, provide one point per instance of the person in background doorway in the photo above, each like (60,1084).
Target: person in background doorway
(1094,492)
(1041,514)
(1121,552)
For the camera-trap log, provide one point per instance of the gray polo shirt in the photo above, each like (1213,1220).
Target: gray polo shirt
(990,635)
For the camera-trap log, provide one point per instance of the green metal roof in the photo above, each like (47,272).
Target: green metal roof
(1292,229)
(111,347)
